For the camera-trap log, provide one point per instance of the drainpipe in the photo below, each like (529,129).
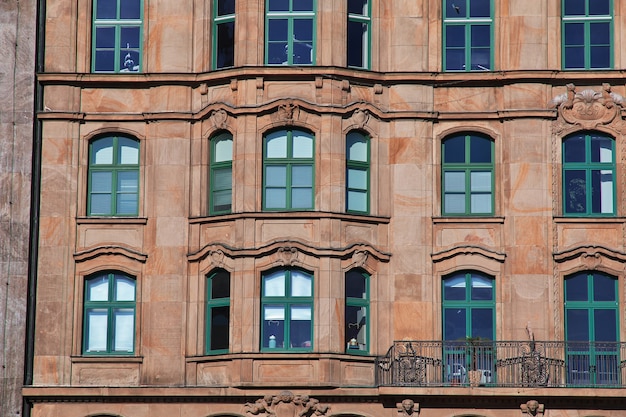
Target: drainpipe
(33,242)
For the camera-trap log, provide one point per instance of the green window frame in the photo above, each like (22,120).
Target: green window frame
(290,32)
(221,174)
(109,314)
(288,170)
(287,310)
(468,35)
(592,329)
(357,312)
(587,34)
(223,34)
(218,312)
(117,36)
(469,322)
(359,34)
(113,178)
(589,175)
(357,173)
(468,181)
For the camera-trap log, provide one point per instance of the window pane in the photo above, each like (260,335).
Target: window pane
(482,288)
(357,44)
(454,288)
(301,284)
(357,201)
(225,45)
(300,326)
(480,181)
(357,178)
(356,327)
(302,198)
(600,33)
(101,181)
(220,317)
(481,36)
(454,324)
(603,288)
(482,323)
(455,36)
(278,30)
(278,5)
(105,38)
(455,59)
(277,145)
(129,38)
(577,324)
(480,8)
(601,149)
(455,8)
(454,203)
(100,204)
(273,326)
(454,150)
(357,7)
(302,175)
(356,285)
(105,61)
(576,287)
(454,181)
(600,57)
(574,149)
(220,285)
(303,41)
(223,150)
(127,204)
(124,329)
(605,325)
(225,7)
(102,151)
(129,151)
(480,150)
(106,9)
(302,145)
(130,9)
(574,34)
(127,181)
(124,288)
(96,330)
(575,7)
(275,198)
(275,176)
(274,284)
(575,191)
(273,312)
(599,7)
(602,191)
(302,5)
(223,179)
(98,288)
(356,145)
(480,203)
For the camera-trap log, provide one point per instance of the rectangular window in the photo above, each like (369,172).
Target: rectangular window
(117,35)
(223,33)
(467,34)
(290,32)
(287,310)
(587,32)
(357,311)
(109,315)
(218,312)
(358,38)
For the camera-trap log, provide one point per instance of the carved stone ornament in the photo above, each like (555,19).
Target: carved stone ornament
(408,408)
(287,255)
(286,404)
(217,258)
(588,108)
(219,118)
(532,408)
(360,118)
(359,258)
(591,260)
(288,112)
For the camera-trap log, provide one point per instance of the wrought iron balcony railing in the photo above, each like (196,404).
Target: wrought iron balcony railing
(503,364)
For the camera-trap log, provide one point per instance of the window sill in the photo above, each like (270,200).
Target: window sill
(111,220)
(360,218)
(107,359)
(468,219)
(595,220)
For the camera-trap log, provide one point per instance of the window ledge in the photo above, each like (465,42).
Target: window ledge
(468,219)
(594,220)
(107,359)
(359,218)
(290,356)
(111,220)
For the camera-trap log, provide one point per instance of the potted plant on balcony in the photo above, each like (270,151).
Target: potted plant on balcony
(474,344)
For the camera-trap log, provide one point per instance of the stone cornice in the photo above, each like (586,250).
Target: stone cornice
(589,251)
(110,250)
(468,250)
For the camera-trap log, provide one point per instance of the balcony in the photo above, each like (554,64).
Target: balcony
(503,364)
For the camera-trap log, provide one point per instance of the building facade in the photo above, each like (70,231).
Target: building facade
(17,74)
(333,208)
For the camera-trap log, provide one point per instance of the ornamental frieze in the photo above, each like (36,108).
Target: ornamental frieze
(286,404)
(587,109)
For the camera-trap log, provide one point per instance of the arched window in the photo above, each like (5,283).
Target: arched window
(357,173)
(467,175)
(288,170)
(221,173)
(113,185)
(287,310)
(592,329)
(218,312)
(357,311)
(109,314)
(588,175)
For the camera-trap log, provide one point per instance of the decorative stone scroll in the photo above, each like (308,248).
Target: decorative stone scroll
(532,408)
(219,118)
(360,118)
(588,108)
(408,408)
(287,255)
(286,404)
(288,112)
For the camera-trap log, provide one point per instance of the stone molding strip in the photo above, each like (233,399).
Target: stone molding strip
(468,250)
(110,250)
